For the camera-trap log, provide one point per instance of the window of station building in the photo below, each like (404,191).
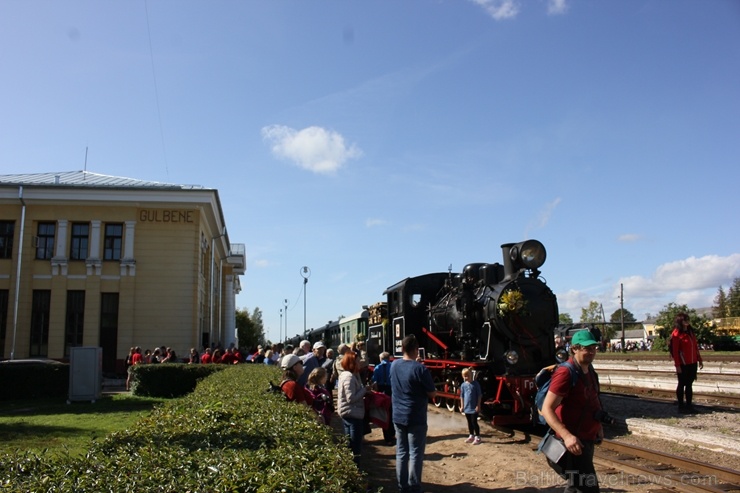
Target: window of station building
(113,242)
(7,228)
(45,241)
(75,320)
(80,239)
(40,322)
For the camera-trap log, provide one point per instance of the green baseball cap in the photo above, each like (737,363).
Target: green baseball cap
(583,338)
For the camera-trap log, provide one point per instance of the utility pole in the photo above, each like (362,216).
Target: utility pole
(621,313)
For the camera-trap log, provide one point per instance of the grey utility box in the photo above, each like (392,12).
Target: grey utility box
(85,373)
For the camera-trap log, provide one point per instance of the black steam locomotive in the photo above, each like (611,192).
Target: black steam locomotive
(496,319)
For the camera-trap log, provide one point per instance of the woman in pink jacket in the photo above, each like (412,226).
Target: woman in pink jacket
(685,353)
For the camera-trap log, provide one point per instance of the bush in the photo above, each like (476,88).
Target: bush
(169,379)
(229,435)
(659,344)
(726,343)
(29,379)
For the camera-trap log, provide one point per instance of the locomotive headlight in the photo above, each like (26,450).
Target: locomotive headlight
(561,355)
(532,254)
(512,357)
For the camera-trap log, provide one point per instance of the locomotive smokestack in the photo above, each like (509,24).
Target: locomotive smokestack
(509,270)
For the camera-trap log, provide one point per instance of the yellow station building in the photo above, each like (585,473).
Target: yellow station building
(95,260)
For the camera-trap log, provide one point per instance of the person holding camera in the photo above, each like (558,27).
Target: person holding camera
(574,413)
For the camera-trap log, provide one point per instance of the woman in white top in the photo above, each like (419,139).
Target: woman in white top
(351,403)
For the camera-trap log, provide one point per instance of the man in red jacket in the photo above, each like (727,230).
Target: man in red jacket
(685,353)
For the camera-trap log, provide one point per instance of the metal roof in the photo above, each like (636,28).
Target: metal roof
(87,179)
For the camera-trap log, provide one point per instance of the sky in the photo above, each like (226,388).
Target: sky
(372,141)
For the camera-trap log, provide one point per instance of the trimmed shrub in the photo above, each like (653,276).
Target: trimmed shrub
(169,379)
(229,435)
(30,379)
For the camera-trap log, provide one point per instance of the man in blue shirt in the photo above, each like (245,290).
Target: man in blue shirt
(412,387)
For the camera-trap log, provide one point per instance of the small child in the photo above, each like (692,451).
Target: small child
(323,403)
(470,399)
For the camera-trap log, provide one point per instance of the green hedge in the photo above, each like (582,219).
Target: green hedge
(169,379)
(229,435)
(30,379)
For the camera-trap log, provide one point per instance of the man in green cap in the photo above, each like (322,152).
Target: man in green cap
(574,413)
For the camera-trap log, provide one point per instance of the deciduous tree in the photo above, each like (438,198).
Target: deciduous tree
(565,318)
(702,326)
(249,328)
(592,313)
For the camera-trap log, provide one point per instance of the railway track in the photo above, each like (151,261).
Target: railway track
(619,463)
(667,471)
(725,402)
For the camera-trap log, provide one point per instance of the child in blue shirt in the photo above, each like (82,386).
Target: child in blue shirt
(470,399)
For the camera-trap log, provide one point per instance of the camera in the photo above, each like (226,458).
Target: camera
(604,417)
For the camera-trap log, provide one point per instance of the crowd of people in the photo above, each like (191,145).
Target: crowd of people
(400,390)
(403,387)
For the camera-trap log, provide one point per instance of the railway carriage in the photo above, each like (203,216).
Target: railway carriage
(353,326)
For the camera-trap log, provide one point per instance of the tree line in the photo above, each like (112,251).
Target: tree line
(727,304)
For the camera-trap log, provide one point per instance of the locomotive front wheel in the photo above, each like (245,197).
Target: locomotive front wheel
(437,401)
(452,403)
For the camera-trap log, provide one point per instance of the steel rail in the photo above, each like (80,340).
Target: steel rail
(669,470)
(730,402)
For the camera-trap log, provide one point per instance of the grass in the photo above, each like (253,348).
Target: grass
(54,426)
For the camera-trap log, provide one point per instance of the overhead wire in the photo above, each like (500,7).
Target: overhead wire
(156,91)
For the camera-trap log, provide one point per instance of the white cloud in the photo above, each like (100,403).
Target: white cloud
(572,301)
(546,213)
(556,7)
(709,271)
(372,222)
(412,228)
(313,148)
(543,217)
(499,9)
(508,9)
(628,238)
(693,282)
(262,263)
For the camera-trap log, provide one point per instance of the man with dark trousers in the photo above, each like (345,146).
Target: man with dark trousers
(574,414)
(412,387)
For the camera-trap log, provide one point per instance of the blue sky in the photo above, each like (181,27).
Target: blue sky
(376,140)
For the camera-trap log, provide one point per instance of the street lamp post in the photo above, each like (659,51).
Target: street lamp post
(286,319)
(621,314)
(305,273)
(280,332)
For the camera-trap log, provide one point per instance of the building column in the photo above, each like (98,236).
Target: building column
(59,260)
(128,262)
(93,262)
(228,302)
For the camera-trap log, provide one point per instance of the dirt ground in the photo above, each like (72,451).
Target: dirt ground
(499,463)
(453,465)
